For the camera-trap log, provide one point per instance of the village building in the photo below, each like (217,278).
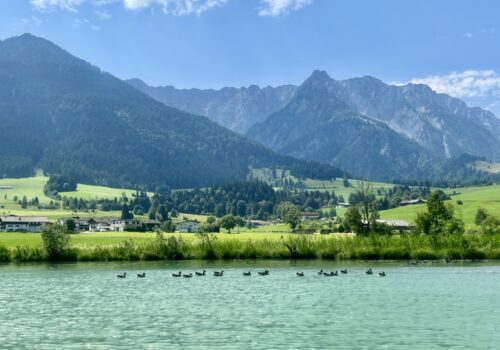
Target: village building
(309,215)
(343,205)
(14,223)
(400,225)
(187,226)
(150,225)
(412,202)
(122,225)
(257,223)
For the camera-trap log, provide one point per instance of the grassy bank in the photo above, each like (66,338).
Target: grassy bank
(178,247)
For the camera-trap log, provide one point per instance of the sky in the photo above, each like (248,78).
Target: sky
(452,45)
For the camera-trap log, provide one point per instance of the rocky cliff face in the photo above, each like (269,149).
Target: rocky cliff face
(237,109)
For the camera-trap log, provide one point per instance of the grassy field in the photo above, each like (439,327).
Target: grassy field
(32,187)
(92,239)
(487,197)
(489,167)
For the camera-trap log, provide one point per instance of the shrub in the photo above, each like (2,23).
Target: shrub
(4,254)
(55,242)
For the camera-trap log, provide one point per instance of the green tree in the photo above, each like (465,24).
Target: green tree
(126,214)
(228,222)
(70,225)
(490,225)
(367,203)
(481,214)
(292,218)
(55,241)
(439,218)
(211,220)
(168,226)
(241,208)
(353,219)
(161,213)
(24,202)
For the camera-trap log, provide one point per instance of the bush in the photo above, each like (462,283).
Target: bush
(55,242)
(4,254)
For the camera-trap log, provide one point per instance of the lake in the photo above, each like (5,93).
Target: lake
(84,305)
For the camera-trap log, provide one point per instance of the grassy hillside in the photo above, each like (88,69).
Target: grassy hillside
(488,167)
(32,187)
(487,197)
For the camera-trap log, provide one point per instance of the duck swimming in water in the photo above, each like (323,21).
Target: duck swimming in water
(122,275)
(177,274)
(247,273)
(369,271)
(187,275)
(343,271)
(320,272)
(264,273)
(300,274)
(219,273)
(141,275)
(204,273)
(382,274)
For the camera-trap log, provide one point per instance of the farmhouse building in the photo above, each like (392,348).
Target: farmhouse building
(309,215)
(412,202)
(14,223)
(187,226)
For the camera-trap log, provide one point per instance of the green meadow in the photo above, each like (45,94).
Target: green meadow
(487,197)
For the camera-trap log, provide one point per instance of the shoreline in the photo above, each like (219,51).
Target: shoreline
(292,247)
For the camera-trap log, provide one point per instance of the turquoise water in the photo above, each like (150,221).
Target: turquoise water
(78,306)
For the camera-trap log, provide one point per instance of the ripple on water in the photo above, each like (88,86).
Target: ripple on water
(86,306)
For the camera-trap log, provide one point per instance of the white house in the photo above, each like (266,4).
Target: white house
(14,223)
(187,226)
(121,225)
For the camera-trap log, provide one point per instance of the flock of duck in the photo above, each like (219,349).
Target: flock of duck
(249,273)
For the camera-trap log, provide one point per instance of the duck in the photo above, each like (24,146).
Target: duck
(369,271)
(187,275)
(382,274)
(177,274)
(219,273)
(264,273)
(141,275)
(331,274)
(124,275)
(343,271)
(300,274)
(204,273)
(247,273)
(320,272)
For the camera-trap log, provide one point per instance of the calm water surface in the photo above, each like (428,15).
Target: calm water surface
(74,306)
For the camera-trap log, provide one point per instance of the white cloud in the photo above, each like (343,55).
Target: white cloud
(103,15)
(176,7)
(69,5)
(172,7)
(279,7)
(33,20)
(466,84)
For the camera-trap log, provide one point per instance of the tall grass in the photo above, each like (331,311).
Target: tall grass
(469,246)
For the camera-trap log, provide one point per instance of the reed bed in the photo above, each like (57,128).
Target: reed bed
(405,247)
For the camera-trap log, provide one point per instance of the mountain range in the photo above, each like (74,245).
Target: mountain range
(63,115)
(237,109)
(372,129)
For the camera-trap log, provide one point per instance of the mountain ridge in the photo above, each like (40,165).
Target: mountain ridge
(66,115)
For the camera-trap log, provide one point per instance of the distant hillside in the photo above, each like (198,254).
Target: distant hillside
(379,132)
(234,108)
(64,115)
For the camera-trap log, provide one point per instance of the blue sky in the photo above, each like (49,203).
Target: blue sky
(453,45)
